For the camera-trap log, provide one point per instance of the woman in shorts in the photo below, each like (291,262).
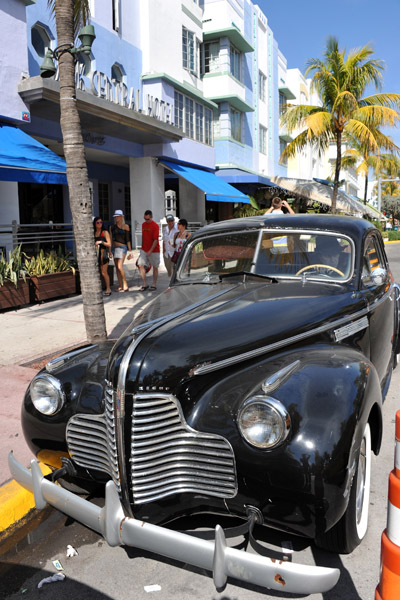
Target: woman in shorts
(121,247)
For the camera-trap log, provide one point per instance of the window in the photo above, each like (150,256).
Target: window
(179,110)
(282,146)
(190,49)
(235,62)
(194,118)
(210,57)
(262,84)
(189,117)
(208,121)
(115,15)
(104,209)
(372,260)
(199,122)
(263,140)
(282,103)
(117,73)
(40,39)
(236,124)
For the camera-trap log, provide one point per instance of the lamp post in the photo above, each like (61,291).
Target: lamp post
(86,36)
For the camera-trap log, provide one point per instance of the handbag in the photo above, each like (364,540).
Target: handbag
(175,256)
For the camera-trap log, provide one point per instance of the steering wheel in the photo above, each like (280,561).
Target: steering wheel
(328,267)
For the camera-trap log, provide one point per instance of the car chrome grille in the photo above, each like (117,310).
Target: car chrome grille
(91,440)
(168,457)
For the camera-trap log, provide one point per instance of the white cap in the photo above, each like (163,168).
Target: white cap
(118,213)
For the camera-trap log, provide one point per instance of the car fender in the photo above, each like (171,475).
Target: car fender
(330,395)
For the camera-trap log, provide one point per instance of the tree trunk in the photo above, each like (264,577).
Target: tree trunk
(78,182)
(337,170)
(366,189)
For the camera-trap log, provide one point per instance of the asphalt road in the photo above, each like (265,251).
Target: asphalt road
(100,572)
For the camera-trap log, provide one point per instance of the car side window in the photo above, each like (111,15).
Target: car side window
(372,259)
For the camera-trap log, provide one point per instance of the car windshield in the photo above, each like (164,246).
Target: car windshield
(283,254)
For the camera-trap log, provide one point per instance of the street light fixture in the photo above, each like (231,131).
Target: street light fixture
(86,37)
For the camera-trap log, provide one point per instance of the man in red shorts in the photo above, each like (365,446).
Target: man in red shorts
(150,251)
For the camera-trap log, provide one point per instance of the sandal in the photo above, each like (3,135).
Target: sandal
(152,288)
(143,288)
(107,294)
(121,290)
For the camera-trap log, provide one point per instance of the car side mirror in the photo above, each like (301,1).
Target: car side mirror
(379,276)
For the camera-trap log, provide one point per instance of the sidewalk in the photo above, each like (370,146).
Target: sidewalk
(29,337)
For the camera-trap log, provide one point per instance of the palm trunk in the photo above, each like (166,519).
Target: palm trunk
(366,189)
(78,182)
(337,170)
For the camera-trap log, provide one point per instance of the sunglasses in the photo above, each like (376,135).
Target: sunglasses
(147,218)
(98,222)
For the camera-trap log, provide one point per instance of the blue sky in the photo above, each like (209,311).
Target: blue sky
(301,28)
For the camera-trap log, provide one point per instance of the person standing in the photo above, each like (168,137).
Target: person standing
(180,238)
(103,247)
(168,238)
(276,207)
(121,244)
(150,251)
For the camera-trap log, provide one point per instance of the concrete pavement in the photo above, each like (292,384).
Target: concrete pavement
(29,338)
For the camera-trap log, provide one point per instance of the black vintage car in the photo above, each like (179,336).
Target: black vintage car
(252,387)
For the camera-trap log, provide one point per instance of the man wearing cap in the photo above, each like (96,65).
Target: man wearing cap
(168,238)
(150,251)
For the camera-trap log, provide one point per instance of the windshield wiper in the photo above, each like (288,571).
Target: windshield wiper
(225,275)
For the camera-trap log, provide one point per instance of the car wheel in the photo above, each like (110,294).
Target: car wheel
(348,533)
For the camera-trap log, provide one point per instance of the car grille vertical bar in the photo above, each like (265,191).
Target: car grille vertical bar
(168,457)
(91,439)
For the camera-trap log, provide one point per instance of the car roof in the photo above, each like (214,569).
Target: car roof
(351,226)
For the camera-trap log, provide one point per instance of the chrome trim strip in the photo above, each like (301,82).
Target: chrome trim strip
(53,364)
(202,369)
(350,329)
(215,556)
(264,349)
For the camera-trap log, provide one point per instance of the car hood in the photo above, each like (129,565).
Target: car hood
(189,325)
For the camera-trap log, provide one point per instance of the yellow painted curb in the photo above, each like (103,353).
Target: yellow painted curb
(16,502)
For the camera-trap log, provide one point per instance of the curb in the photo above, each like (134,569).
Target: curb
(16,502)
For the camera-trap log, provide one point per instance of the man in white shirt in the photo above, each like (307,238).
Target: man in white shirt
(168,238)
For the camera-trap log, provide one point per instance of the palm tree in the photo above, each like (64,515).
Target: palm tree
(358,155)
(340,82)
(70,15)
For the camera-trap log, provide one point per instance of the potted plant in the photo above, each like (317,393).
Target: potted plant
(14,288)
(52,275)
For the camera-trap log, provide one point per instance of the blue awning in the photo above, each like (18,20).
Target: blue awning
(239,176)
(214,188)
(22,158)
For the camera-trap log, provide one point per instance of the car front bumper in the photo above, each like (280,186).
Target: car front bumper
(215,556)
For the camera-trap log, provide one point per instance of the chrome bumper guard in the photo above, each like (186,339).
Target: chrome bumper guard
(118,529)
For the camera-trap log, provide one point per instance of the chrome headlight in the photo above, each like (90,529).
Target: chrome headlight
(47,394)
(263,422)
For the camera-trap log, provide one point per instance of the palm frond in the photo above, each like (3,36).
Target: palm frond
(363,134)
(376,116)
(390,100)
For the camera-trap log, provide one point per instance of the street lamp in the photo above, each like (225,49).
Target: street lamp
(86,36)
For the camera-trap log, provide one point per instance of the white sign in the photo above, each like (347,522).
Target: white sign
(114,91)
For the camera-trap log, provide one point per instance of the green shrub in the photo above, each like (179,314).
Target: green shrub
(49,262)
(393,235)
(13,268)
